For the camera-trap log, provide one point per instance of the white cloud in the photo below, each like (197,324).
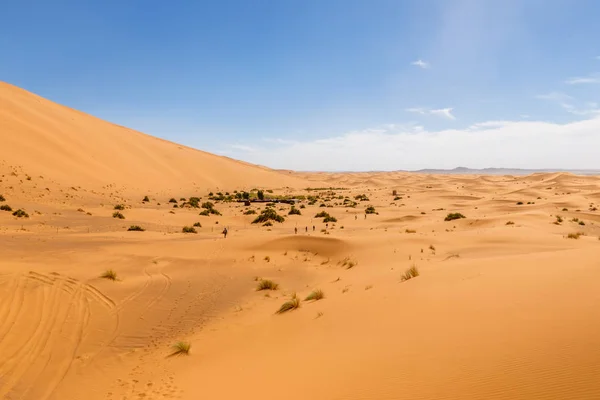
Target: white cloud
(422,64)
(242,147)
(442,112)
(579,80)
(515,144)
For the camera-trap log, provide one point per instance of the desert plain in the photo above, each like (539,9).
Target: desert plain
(417,286)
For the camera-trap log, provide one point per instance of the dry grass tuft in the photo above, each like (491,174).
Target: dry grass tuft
(315,295)
(109,274)
(289,305)
(575,235)
(266,284)
(181,348)
(410,273)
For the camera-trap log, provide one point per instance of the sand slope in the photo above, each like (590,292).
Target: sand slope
(75,149)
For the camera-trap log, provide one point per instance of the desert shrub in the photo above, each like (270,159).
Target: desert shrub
(453,216)
(361,197)
(120,207)
(266,284)
(5,207)
(315,295)
(581,223)
(575,235)
(188,229)
(268,223)
(198,225)
(204,213)
(322,214)
(519,203)
(136,228)
(410,231)
(109,274)
(146,199)
(249,212)
(289,305)
(510,223)
(268,214)
(194,202)
(20,214)
(294,211)
(410,273)
(329,218)
(370,210)
(2,198)
(118,215)
(181,348)
(172,200)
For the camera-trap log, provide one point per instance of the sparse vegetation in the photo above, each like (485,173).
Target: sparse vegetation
(575,235)
(249,212)
(146,199)
(294,211)
(136,228)
(118,215)
(120,207)
(453,216)
(2,198)
(410,231)
(5,207)
(20,214)
(109,274)
(329,219)
(289,305)
(267,215)
(510,223)
(348,263)
(519,203)
(197,225)
(315,295)
(188,229)
(266,284)
(172,200)
(322,214)
(181,348)
(410,273)
(370,210)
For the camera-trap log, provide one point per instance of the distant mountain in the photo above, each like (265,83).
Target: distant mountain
(505,171)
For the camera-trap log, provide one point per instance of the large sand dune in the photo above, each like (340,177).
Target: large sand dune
(505,305)
(75,148)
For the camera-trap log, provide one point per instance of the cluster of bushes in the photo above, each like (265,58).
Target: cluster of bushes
(294,211)
(326,217)
(361,197)
(267,215)
(370,210)
(209,208)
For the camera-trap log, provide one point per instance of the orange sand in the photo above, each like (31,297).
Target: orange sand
(498,311)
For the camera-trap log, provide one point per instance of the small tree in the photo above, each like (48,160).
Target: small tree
(261,195)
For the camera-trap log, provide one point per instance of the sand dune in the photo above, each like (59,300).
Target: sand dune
(504,306)
(74,148)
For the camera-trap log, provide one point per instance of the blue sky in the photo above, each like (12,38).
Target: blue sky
(327,84)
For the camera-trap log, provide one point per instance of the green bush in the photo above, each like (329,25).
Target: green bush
(330,219)
(453,216)
(20,214)
(268,214)
(322,214)
(249,212)
(260,194)
(118,215)
(294,211)
(189,229)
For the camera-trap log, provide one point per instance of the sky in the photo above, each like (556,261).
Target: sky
(334,85)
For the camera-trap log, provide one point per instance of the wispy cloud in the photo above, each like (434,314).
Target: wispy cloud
(421,64)
(582,80)
(570,104)
(442,112)
(524,144)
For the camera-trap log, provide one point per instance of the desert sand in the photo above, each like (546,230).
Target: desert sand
(505,304)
